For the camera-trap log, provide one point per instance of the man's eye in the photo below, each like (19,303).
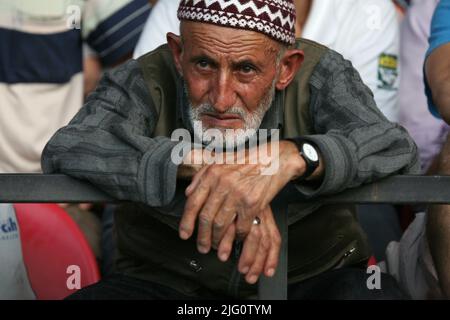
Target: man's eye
(203,64)
(247,69)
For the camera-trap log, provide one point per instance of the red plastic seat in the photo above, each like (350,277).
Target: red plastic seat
(372,261)
(51,242)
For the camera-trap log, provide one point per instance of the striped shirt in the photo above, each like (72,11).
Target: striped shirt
(41,80)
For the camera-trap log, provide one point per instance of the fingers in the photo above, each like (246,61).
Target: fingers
(261,256)
(258,265)
(226,245)
(216,194)
(207,218)
(244,223)
(275,245)
(222,221)
(197,194)
(193,205)
(250,250)
(261,249)
(206,196)
(195,181)
(85,206)
(81,206)
(217,214)
(250,207)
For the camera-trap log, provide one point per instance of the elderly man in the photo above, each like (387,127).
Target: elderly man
(366,32)
(201,229)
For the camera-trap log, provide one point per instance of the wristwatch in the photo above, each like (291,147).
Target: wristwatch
(309,153)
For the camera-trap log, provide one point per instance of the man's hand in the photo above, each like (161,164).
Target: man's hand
(219,194)
(261,248)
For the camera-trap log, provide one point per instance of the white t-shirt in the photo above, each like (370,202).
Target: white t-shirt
(366,32)
(162,19)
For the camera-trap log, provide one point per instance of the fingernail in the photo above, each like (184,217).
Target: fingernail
(203,249)
(223,257)
(270,272)
(253,279)
(245,269)
(184,235)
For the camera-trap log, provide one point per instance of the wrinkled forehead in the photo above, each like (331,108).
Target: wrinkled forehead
(204,36)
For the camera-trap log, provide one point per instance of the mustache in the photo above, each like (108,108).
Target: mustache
(209,108)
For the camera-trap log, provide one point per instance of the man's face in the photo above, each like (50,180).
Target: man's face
(230,75)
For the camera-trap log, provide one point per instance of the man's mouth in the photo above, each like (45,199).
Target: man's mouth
(229,120)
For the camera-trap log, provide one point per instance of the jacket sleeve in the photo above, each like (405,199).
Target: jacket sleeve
(108,142)
(358,144)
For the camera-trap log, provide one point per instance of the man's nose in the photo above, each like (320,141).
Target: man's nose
(222,95)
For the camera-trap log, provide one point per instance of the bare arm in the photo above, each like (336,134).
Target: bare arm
(302,8)
(438,232)
(438,228)
(437,70)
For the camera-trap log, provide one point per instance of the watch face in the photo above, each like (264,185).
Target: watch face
(310,152)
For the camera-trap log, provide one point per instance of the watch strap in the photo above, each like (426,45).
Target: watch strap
(311,166)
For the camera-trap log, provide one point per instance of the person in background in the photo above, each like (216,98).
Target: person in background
(41,78)
(366,32)
(92,70)
(420,260)
(402,6)
(427,131)
(437,72)
(161,20)
(92,66)
(408,258)
(41,74)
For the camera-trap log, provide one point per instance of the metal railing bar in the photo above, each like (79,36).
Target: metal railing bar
(22,188)
(36,188)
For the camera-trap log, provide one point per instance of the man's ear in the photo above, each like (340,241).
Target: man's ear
(176,47)
(290,63)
